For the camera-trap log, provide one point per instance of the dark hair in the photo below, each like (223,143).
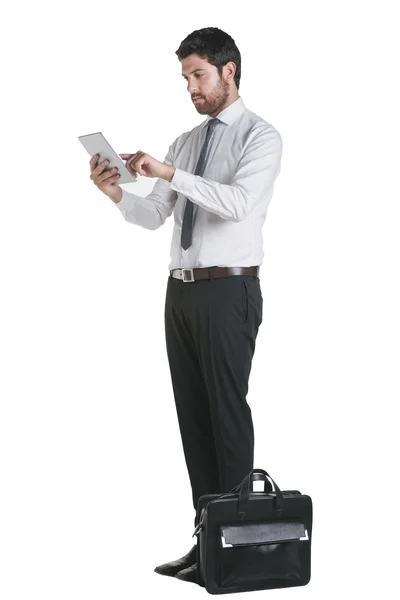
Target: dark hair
(214,45)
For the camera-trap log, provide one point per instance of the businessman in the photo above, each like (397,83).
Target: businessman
(218,180)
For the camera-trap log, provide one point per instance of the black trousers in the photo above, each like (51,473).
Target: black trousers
(211,327)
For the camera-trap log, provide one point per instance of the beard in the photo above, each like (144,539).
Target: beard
(214,101)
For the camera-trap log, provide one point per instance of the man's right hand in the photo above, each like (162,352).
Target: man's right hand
(106,181)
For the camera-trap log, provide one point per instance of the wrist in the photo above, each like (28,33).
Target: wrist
(117,196)
(169,173)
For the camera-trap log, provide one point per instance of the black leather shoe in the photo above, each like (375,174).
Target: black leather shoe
(188,574)
(172,568)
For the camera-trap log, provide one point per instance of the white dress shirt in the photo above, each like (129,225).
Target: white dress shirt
(230,199)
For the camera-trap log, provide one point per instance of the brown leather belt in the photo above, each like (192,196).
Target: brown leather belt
(187,275)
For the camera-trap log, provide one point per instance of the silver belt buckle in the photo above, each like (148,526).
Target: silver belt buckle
(191,273)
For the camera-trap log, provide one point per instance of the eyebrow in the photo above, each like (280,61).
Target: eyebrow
(183,75)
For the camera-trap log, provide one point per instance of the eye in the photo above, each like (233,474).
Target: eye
(196,75)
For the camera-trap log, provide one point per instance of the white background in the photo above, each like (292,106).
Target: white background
(94,487)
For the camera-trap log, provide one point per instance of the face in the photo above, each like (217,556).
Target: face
(203,81)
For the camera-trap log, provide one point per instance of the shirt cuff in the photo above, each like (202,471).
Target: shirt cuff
(124,199)
(183,182)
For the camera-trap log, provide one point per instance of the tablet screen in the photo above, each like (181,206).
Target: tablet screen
(96,143)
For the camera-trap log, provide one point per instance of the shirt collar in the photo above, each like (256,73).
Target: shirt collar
(229,114)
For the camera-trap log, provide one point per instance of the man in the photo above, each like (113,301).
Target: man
(218,180)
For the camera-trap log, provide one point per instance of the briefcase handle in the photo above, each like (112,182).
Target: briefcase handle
(268,487)
(244,492)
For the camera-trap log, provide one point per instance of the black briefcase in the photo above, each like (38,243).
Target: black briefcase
(253,540)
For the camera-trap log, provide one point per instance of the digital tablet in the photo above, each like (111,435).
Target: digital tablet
(96,143)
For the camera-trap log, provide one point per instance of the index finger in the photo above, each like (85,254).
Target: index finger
(94,158)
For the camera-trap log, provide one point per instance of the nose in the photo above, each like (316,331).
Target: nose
(192,90)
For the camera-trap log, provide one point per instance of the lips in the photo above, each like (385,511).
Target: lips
(196,99)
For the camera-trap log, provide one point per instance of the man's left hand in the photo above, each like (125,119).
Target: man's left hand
(144,164)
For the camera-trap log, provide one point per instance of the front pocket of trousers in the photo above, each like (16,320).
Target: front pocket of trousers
(245,301)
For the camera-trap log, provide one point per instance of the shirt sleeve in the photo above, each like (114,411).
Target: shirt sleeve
(152,210)
(256,173)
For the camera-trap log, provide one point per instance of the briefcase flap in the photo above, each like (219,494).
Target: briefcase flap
(244,534)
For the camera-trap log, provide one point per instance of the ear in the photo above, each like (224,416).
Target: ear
(230,69)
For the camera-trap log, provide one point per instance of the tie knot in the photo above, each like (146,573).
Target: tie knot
(213,122)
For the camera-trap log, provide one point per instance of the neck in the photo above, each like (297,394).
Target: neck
(228,102)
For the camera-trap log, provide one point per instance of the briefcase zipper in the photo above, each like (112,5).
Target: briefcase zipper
(198,528)
(199,525)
